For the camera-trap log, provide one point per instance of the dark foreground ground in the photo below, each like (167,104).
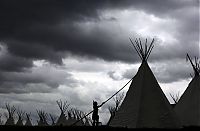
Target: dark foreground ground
(81,128)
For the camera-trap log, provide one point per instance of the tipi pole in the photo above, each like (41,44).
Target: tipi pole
(116,92)
(194,68)
(103,102)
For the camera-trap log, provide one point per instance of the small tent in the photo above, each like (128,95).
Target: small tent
(145,105)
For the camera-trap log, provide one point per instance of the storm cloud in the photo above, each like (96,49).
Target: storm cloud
(49,29)
(72,48)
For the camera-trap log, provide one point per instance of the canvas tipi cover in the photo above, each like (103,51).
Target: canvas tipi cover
(188,107)
(145,105)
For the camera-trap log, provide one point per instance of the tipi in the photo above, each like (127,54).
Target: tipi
(20,115)
(74,116)
(11,112)
(63,108)
(43,118)
(145,105)
(78,116)
(1,121)
(71,117)
(28,120)
(53,119)
(188,107)
(88,121)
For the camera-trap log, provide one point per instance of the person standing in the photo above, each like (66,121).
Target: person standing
(95,116)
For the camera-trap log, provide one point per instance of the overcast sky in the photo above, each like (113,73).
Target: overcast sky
(80,51)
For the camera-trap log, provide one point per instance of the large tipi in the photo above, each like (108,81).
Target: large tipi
(188,107)
(145,105)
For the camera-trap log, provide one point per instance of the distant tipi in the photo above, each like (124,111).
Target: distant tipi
(43,118)
(188,107)
(20,115)
(28,120)
(62,120)
(11,112)
(145,105)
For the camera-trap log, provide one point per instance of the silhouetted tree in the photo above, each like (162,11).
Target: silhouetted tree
(175,98)
(113,109)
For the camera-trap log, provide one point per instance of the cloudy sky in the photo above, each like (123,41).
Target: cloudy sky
(80,51)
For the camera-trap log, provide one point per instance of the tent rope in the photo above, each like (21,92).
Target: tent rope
(103,102)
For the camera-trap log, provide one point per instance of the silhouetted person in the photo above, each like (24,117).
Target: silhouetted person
(95,116)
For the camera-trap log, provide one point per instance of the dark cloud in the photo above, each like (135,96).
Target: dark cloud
(14,63)
(172,71)
(11,62)
(35,51)
(38,79)
(46,29)
(163,8)
(49,30)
